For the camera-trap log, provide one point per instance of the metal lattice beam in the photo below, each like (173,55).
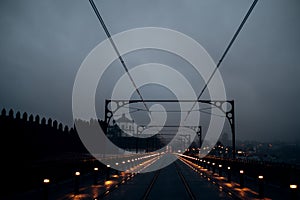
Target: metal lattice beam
(220,104)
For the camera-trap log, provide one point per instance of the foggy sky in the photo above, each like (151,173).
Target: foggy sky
(44,42)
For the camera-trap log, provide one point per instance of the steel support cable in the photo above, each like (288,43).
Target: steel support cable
(117,51)
(225,53)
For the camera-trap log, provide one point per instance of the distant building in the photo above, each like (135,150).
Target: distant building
(126,125)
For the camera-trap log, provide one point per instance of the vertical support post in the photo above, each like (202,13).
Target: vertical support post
(232,125)
(220,170)
(261,187)
(228,174)
(107,176)
(76,185)
(106,119)
(241,178)
(200,136)
(95,175)
(199,133)
(293,191)
(46,183)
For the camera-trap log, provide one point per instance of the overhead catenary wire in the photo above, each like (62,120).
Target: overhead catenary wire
(225,53)
(117,51)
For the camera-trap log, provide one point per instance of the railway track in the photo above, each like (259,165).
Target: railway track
(175,181)
(185,183)
(183,180)
(149,188)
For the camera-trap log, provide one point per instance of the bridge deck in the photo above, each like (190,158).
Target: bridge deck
(169,185)
(182,179)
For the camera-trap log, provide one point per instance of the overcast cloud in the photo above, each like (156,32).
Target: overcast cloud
(42,44)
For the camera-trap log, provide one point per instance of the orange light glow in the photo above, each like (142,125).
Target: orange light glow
(77,173)
(260,177)
(229,185)
(96,168)
(109,183)
(241,171)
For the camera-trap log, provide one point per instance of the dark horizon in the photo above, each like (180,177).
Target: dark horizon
(40,118)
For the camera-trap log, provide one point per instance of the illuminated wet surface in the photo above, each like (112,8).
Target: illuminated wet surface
(182,179)
(168,186)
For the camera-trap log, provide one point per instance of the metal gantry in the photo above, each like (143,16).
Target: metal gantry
(220,104)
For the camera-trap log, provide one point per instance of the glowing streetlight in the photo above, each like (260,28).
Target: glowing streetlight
(228,174)
(76,190)
(292,186)
(213,167)
(220,170)
(293,191)
(46,181)
(241,178)
(261,186)
(95,175)
(107,172)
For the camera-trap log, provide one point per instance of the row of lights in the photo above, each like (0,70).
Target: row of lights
(293,187)
(136,159)
(46,181)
